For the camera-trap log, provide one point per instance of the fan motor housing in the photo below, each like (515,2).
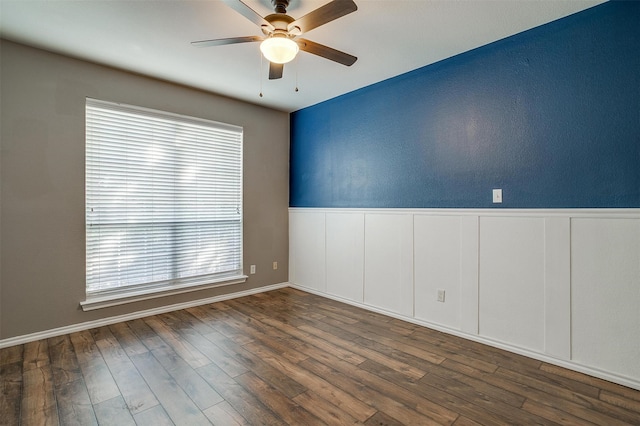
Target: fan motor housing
(279,21)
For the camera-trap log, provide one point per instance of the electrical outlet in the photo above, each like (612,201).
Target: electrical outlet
(275,265)
(253,269)
(441,296)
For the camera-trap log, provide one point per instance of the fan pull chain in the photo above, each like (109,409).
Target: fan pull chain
(297,73)
(260,73)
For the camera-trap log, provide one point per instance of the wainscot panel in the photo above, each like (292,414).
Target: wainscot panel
(605,293)
(345,255)
(561,286)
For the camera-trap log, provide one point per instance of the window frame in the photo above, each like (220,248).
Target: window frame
(137,292)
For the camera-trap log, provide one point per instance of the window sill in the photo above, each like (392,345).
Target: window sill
(105,301)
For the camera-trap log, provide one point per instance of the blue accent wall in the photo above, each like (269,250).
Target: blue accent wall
(551,116)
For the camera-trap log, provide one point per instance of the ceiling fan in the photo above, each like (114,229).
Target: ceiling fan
(281,42)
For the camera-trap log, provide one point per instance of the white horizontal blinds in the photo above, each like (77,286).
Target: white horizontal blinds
(163,198)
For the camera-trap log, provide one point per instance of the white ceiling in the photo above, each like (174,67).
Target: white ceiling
(152,37)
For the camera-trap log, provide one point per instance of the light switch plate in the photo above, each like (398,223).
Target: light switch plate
(497,195)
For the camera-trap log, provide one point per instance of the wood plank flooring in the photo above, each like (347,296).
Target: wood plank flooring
(288,357)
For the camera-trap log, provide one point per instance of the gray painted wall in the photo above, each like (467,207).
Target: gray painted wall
(42,245)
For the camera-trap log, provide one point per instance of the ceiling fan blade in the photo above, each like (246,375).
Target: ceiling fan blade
(323,14)
(248,13)
(223,41)
(326,52)
(275,71)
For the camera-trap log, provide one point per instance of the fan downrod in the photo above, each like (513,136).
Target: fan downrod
(280,5)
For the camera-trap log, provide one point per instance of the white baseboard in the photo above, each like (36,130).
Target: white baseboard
(622,380)
(19,340)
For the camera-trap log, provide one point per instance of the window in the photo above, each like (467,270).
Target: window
(163,202)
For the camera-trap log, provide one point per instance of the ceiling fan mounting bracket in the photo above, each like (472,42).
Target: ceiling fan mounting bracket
(280,5)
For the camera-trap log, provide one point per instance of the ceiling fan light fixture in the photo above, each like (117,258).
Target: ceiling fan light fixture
(279,49)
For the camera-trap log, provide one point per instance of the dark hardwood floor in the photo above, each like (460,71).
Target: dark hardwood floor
(288,357)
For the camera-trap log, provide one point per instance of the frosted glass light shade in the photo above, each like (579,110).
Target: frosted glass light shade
(279,50)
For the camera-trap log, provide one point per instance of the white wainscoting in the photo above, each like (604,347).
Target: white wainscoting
(388,258)
(345,255)
(511,281)
(562,286)
(437,267)
(307,256)
(605,294)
